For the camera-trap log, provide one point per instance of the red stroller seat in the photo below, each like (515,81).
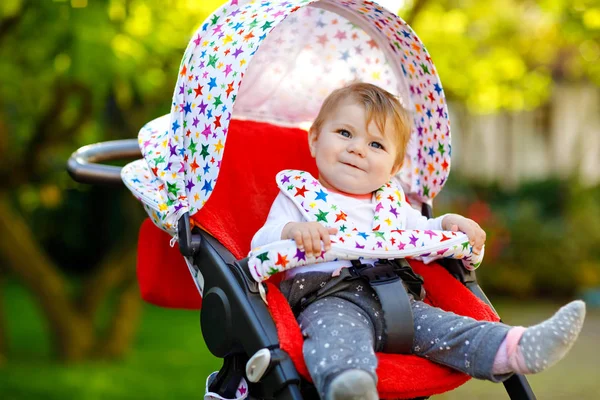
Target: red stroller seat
(239,206)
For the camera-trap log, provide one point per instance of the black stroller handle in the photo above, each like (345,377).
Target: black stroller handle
(85,166)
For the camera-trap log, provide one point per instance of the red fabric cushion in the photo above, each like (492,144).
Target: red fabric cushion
(164,278)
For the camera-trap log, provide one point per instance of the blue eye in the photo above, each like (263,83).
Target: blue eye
(377,145)
(344,133)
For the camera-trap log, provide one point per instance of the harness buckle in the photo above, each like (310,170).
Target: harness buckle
(380,273)
(388,271)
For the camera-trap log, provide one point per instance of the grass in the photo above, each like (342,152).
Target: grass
(170,361)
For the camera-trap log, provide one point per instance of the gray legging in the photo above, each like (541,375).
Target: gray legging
(343,331)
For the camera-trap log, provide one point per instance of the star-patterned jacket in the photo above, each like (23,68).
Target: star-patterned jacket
(384,227)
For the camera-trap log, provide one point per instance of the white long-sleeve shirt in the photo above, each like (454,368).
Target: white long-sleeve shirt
(359,211)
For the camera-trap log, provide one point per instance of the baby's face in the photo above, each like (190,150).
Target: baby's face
(352,157)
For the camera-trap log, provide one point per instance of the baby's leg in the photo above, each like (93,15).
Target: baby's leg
(338,349)
(493,351)
(459,342)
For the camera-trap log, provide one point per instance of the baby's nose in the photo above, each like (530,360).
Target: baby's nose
(357,147)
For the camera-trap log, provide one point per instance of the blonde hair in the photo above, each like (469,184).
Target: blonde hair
(380,105)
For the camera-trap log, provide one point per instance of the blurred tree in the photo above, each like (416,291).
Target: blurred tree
(2,326)
(505,54)
(541,238)
(74,73)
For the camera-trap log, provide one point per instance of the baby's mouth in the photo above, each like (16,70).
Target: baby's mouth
(352,165)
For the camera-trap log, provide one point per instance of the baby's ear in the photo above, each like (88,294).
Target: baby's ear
(312,138)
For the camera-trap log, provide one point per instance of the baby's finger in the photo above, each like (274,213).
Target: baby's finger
(454,228)
(479,243)
(298,239)
(332,231)
(472,240)
(478,240)
(325,237)
(316,242)
(307,239)
(472,243)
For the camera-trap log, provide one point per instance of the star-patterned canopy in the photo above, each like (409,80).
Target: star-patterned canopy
(276,61)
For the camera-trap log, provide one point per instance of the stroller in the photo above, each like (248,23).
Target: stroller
(290,54)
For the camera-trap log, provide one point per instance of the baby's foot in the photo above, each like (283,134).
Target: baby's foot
(543,345)
(353,384)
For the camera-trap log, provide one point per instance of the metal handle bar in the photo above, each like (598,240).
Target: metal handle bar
(85,166)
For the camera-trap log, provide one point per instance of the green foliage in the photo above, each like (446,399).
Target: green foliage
(117,58)
(542,238)
(168,360)
(505,54)
(72,76)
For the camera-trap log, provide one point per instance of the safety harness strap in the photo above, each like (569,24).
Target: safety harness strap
(395,303)
(392,281)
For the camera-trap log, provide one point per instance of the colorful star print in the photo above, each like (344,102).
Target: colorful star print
(383,242)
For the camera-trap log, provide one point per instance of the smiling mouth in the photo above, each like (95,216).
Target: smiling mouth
(352,165)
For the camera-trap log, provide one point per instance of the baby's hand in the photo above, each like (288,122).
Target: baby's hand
(471,228)
(308,236)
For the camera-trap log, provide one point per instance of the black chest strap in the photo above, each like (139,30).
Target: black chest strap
(385,279)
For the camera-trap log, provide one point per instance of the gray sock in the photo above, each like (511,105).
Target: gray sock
(353,384)
(543,345)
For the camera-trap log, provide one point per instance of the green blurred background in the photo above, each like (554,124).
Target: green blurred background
(523,82)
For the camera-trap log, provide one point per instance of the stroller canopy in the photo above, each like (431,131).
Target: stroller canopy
(275,62)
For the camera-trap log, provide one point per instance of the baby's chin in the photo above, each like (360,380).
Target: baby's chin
(355,189)
(348,183)
(359,191)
